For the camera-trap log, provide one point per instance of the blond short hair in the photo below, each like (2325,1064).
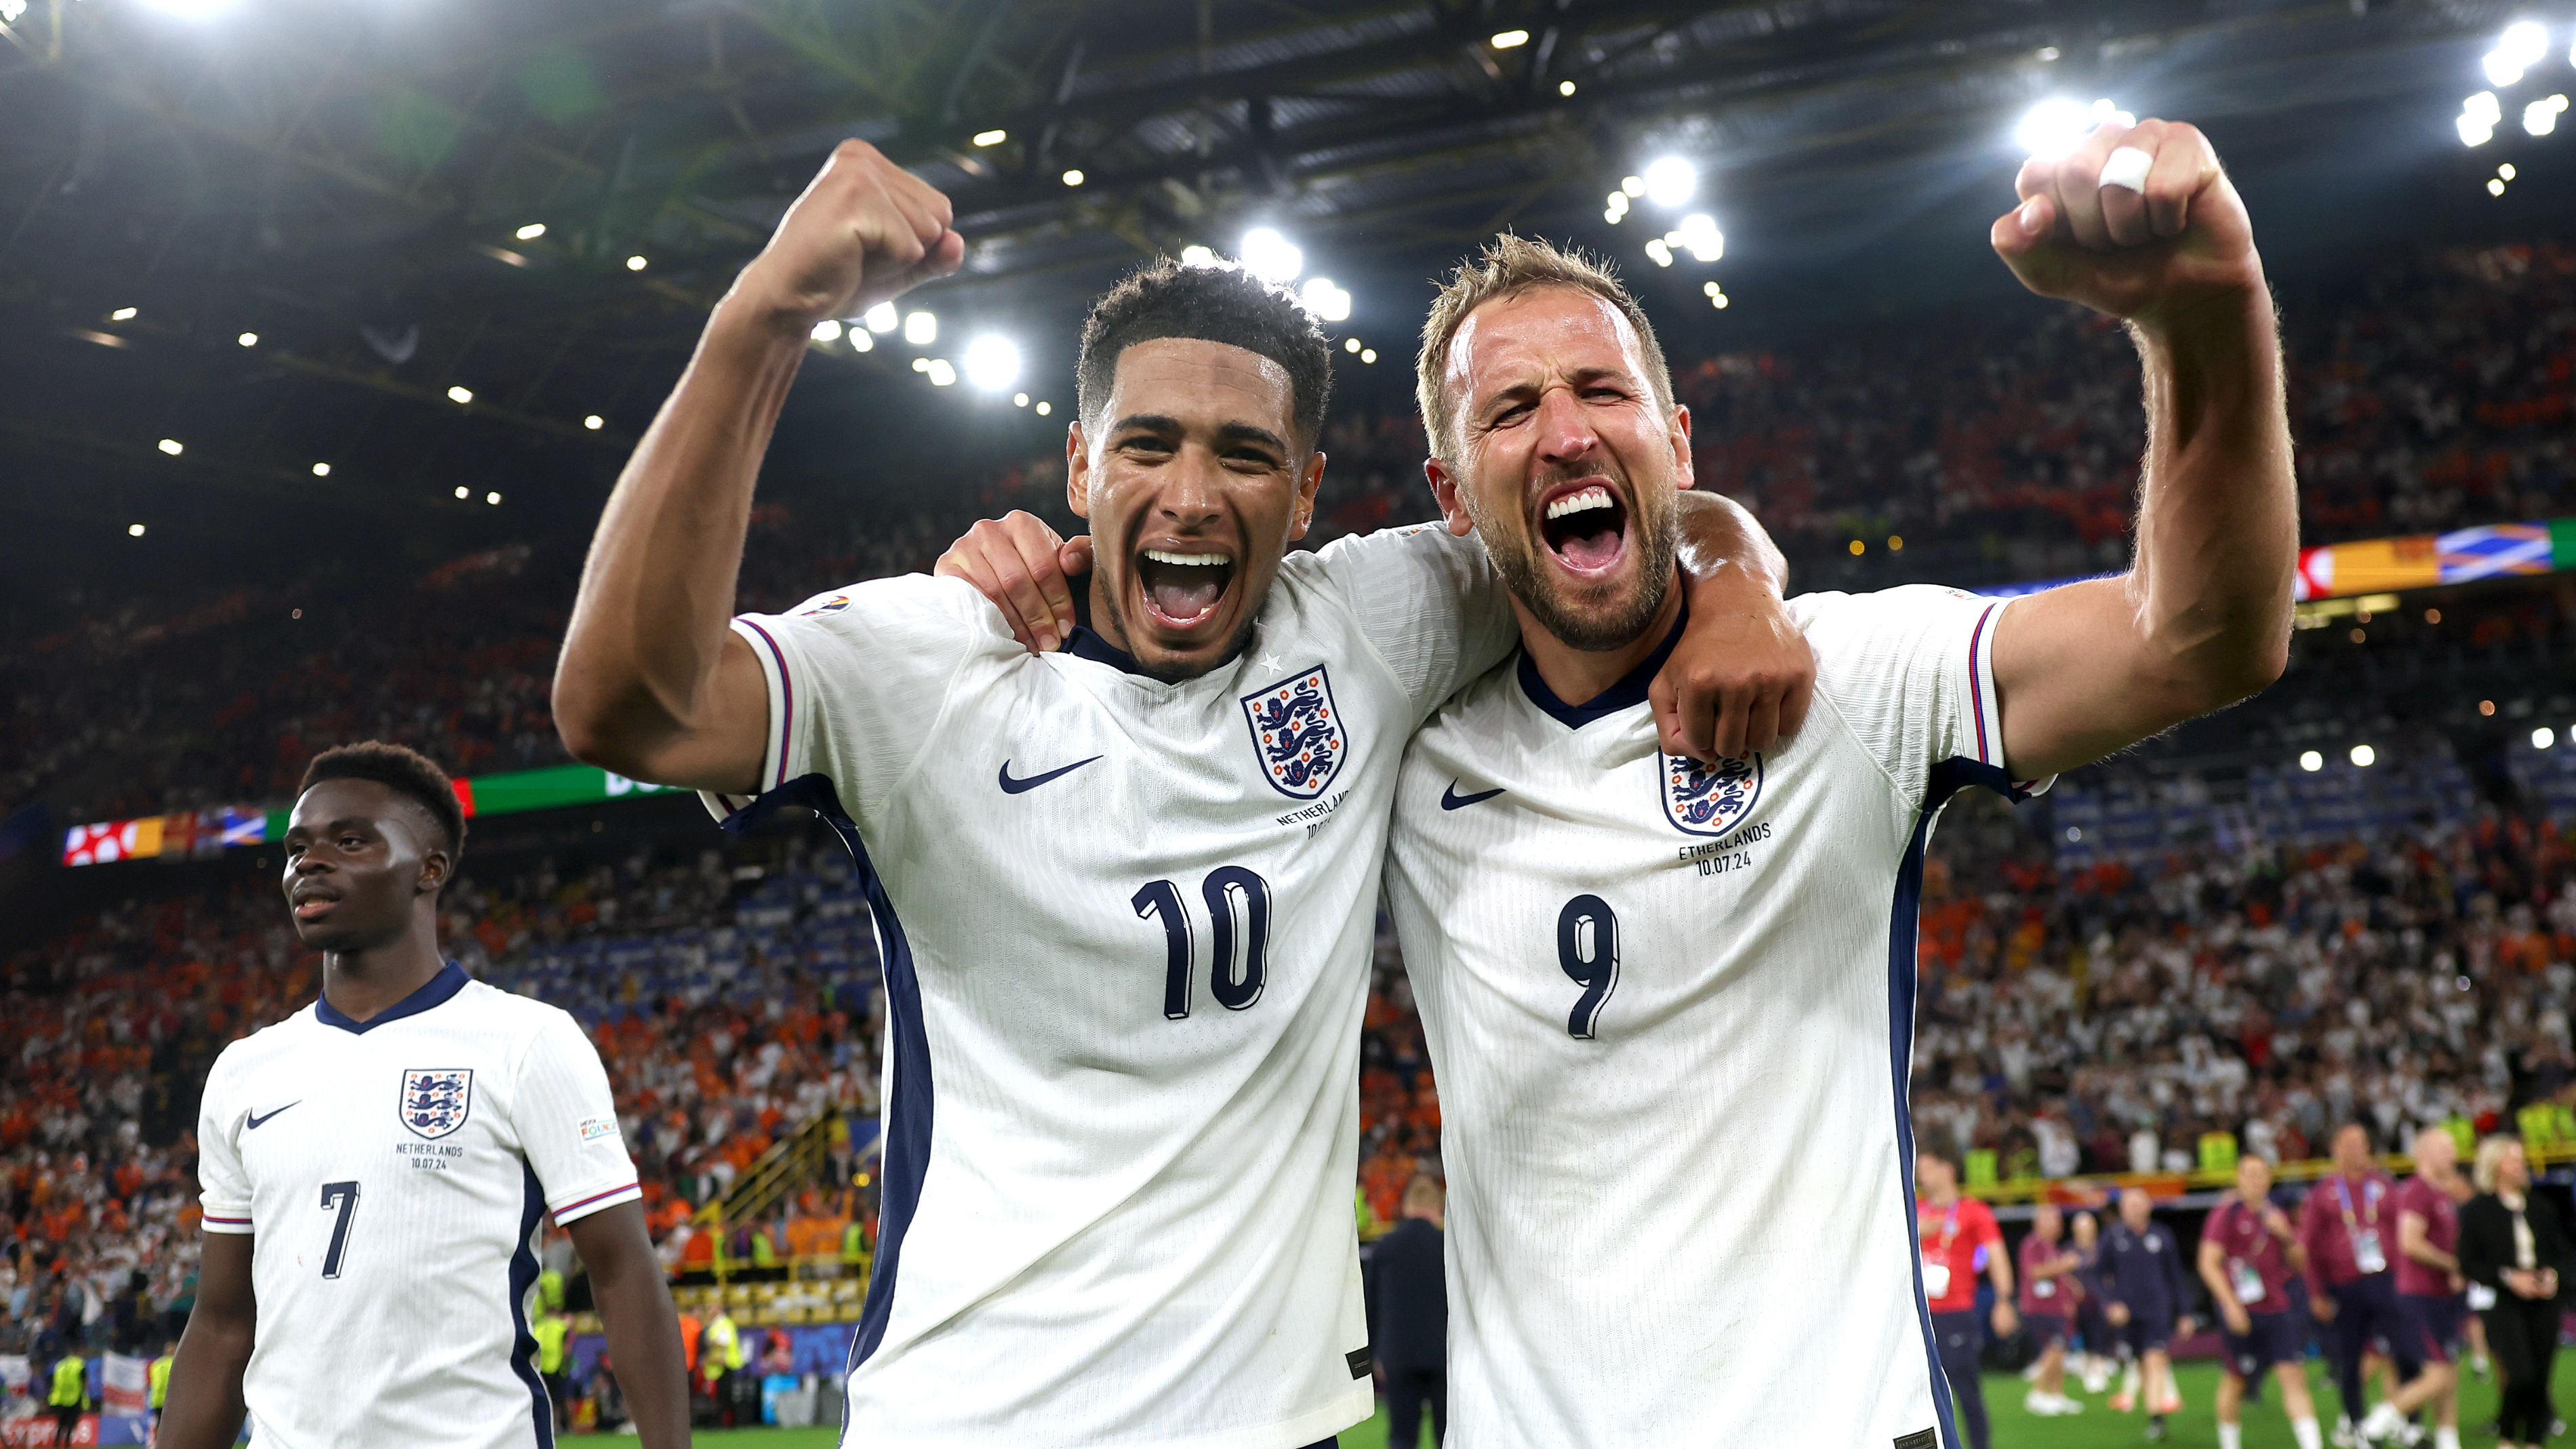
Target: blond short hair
(1510,265)
(1422,1195)
(2491,1151)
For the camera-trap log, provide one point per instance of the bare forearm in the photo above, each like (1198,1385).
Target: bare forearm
(205,1408)
(644,1346)
(2218,516)
(1714,535)
(658,591)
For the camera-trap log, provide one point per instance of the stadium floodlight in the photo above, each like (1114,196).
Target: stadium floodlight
(1199,256)
(2543,737)
(321,470)
(2506,171)
(1671,181)
(1510,39)
(2541,116)
(1019,399)
(121,314)
(1045,408)
(827,330)
(2052,128)
(1659,252)
(10,10)
(2495,186)
(1632,187)
(991,138)
(1565,88)
(464,492)
(2364,756)
(1698,235)
(1267,254)
(1073,176)
(881,318)
(1617,209)
(2523,45)
(2311,761)
(531,231)
(1325,300)
(1368,354)
(1350,344)
(492,498)
(2479,116)
(860,341)
(941,373)
(634,264)
(171,446)
(992,363)
(248,339)
(134,530)
(594,422)
(920,328)
(191,9)
(460,395)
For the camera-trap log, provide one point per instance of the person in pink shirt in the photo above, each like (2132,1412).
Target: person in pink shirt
(2248,1255)
(2048,1290)
(2348,1226)
(2429,1288)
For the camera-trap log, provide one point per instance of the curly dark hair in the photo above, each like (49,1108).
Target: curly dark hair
(402,769)
(1227,304)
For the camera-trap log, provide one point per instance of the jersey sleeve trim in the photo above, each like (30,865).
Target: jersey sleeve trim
(583,1207)
(780,738)
(1986,703)
(219,1224)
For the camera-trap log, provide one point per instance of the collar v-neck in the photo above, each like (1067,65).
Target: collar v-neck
(1627,693)
(434,992)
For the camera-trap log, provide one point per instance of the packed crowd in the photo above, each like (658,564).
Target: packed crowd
(2429,391)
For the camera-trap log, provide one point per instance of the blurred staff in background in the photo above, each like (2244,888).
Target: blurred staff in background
(1410,1317)
(2513,1245)
(2249,1258)
(2048,1293)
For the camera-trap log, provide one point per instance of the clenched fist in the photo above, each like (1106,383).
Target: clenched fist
(2151,254)
(864,232)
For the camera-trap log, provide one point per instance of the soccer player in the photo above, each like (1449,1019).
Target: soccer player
(1124,893)
(2048,1290)
(1960,1239)
(2349,1228)
(2144,1291)
(2429,1290)
(2248,1255)
(374,1168)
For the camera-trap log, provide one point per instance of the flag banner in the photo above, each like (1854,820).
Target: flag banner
(242,825)
(106,841)
(2494,551)
(124,1384)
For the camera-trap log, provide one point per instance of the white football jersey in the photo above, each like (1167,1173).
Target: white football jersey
(1671,1009)
(1126,929)
(393,1172)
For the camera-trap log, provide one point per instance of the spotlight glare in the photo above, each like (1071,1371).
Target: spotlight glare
(2484,106)
(2502,69)
(2311,761)
(134,530)
(2364,756)
(1565,88)
(248,339)
(860,341)
(920,328)
(2474,132)
(2494,187)
(1659,253)
(991,138)
(992,363)
(880,318)
(2526,41)
(1670,181)
(1019,399)
(1368,354)
(594,422)
(491,497)
(941,373)
(2052,128)
(2506,171)
(634,264)
(1699,234)
(827,330)
(1351,345)
(1632,186)
(321,470)
(1073,177)
(1199,256)
(191,9)
(462,491)
(460,396)
(1510,39)
(531,231)
(1325,300)
(121,314)
(2541,117)
(1269,255)
(1045,408)
(2543,737)
(171,446)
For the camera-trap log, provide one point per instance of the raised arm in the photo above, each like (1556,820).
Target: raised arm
(204,1410)
(653,684)
(2202,617)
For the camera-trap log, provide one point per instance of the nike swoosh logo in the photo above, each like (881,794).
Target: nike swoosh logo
(1450,799)
(256,1119)
(1014,787)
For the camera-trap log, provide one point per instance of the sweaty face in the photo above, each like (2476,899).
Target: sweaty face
(355,851)
(1566,464)
(1194,486)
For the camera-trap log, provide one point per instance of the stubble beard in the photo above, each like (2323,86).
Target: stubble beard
(1596,629)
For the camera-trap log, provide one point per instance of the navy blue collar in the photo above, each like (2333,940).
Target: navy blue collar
(450,980)
(1628,693)
(1082,643)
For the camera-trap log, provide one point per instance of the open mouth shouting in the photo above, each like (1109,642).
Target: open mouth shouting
(1183,587)
(1584,524)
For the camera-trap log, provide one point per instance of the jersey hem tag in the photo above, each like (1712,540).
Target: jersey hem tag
(1358,1359)
(1919,1439)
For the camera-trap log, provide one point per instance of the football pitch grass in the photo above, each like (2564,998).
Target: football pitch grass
(2096,1428)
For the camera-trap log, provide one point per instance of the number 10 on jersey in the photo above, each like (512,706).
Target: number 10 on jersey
(1238,905)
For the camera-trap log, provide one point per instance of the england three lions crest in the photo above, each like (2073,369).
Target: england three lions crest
(1297,733)
(1708,799)
(436,1100)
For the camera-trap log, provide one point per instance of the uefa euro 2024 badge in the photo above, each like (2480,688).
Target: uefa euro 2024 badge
(1297,733)
(1703,799)
(436,1100)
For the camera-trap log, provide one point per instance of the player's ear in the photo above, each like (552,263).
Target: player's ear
(1077,470)
(1683,476)
(1304,513)
(1444,491)
(436,866)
